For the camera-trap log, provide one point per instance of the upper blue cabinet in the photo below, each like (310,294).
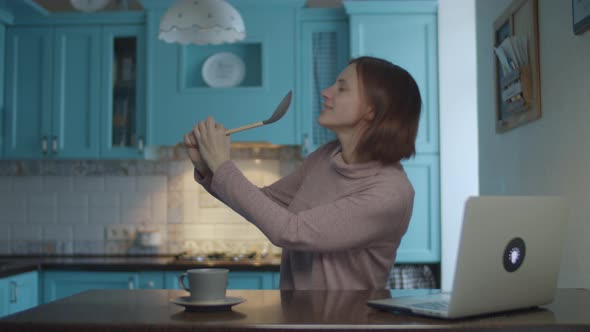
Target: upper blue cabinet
(123,120)
(405,33)
(51,102)
(74,86)
(2,55)
(182,87)
(323,55)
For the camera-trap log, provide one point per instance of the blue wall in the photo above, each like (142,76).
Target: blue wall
(177,103)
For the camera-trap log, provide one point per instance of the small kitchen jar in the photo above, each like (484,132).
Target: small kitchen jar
(148,237)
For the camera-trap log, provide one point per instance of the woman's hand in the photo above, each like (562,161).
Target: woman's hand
(214,144)
(192,149)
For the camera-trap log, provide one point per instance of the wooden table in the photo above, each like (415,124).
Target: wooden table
(141,310)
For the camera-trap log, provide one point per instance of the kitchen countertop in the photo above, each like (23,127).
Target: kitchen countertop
(10,265)
(139,310)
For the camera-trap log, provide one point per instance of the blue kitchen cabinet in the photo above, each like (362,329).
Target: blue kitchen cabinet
(405,33)
(75,92)
(250,280)
(52,108)
(28,108)
(19,292)
(276,280)
(236,280)
(3,56)
(421,243)
(3,297)
(60,284)
(151,279)
(122,80)
(324,54)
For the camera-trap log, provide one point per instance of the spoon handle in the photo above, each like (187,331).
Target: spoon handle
(252,125)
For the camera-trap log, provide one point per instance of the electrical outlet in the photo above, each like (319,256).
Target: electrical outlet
(119,232)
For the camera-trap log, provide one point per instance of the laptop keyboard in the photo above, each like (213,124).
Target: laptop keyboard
(438,305)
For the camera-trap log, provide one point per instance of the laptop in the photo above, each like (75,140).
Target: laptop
(509,258)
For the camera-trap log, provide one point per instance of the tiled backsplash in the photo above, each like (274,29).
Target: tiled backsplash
(67,207)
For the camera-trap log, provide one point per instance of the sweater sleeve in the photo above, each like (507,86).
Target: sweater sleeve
(360,220)
(282,191)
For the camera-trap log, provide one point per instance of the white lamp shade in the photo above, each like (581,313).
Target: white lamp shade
(202,22)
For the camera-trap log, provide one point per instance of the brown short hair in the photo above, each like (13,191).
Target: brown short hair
(395,98)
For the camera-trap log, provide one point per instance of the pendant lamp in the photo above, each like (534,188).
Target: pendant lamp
(202,22)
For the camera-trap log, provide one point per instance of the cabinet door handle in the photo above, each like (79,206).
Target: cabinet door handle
(13,292)
(44,144)
(140,143)
(54,145)
(131,283)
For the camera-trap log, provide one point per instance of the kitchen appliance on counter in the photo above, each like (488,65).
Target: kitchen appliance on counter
(148,237)
(217,256)
(219,251)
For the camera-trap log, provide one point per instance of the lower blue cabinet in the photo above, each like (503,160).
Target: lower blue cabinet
(19,292)
(60,284)
(3,297)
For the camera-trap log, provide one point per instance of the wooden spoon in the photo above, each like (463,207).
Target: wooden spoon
(278,113)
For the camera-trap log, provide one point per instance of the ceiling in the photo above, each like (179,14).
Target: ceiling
(65,6)
(114,5)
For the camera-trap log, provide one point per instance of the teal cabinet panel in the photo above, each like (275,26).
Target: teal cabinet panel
(19,292)
(60,284)
(408,39)
(421,243)
(76,104)
(2,110)
(28,107)
(405,33)
(51,105)
(236,280)
(324,54)
(276,280)
(59,93)
(249,280)
(23,291)
(171,279)
(151,280)
(123,121)
(177,98)
(3,297)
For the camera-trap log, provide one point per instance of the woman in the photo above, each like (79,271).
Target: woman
(341,215)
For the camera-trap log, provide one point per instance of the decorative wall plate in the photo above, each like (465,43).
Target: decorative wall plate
(223,70)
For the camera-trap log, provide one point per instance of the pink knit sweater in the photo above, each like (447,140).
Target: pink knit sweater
(339,224)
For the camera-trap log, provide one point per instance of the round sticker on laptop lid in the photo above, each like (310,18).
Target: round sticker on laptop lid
(514,254)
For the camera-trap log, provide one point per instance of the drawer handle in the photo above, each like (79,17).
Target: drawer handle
(44,144)
(131,283)
(13,292)
(54,145)
(140,144)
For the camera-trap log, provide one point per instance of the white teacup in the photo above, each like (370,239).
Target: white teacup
(205,284)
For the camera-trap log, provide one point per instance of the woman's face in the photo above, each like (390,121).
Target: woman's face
(344,109)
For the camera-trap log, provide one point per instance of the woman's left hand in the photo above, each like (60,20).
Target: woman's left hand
(214,144)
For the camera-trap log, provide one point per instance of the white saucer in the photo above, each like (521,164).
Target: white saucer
(215,305)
